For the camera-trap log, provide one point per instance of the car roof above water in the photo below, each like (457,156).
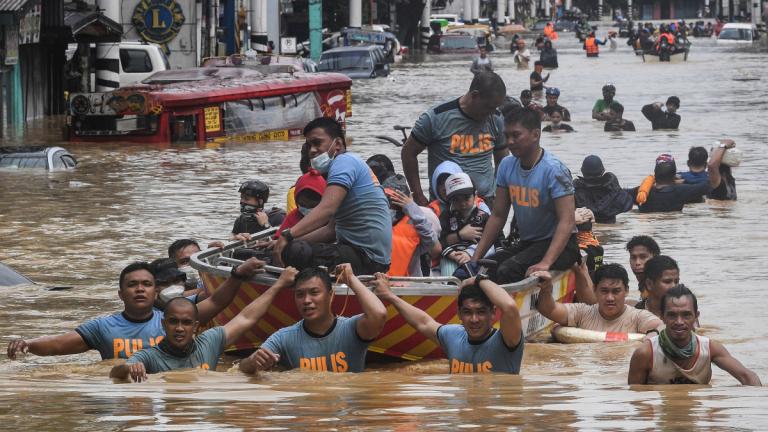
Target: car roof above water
(353,49)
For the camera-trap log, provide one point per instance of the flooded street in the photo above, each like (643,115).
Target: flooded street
(127,203)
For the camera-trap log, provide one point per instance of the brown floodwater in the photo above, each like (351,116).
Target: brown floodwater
(128,202)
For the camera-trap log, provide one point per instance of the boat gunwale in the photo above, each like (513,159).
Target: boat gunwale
(402,286)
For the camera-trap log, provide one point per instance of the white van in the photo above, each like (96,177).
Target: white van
(738,33)
(138,60)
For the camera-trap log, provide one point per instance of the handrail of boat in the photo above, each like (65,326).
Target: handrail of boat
(219,261)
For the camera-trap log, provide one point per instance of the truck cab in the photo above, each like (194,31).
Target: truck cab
(139,60)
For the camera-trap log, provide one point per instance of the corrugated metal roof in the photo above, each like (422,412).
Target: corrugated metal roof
(11,5)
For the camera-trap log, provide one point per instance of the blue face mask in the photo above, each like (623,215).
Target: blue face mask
(321,163)
(304,210)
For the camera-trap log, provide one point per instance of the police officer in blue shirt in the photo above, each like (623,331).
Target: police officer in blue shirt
(475,346)
(139,325)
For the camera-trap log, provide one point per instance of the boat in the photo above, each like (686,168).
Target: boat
(398,340)
(210,104)
(677,57)
(571,335)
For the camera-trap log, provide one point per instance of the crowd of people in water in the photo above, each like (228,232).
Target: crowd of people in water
(360,217)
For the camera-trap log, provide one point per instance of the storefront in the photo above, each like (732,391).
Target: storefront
(11,102)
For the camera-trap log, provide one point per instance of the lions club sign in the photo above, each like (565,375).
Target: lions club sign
(158,21)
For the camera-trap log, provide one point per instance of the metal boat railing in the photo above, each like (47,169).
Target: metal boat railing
(219,262)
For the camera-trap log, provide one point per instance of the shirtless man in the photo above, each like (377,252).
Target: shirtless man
(680,356)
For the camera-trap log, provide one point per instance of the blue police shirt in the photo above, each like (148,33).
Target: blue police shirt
(117,336)
(205,352)
(341,350)
(533,193)
(490,355)
(362,219)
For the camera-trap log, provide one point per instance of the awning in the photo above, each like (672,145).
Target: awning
(93,27)
(11,5)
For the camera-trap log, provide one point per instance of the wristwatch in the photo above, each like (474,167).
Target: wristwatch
(287,235)
(233,273)
(479,278)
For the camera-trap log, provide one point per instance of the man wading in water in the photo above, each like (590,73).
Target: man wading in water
(139,325)
(322,341)
(610,314)
(181,349)
(680,356)
(474,346)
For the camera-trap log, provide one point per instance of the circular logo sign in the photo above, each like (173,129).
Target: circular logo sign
(158,21)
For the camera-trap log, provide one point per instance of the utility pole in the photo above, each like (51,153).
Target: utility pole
(355,13)
(315,29)
(108,54)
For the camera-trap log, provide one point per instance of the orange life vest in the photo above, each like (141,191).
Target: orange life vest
(405,240)
(670,40)
(644,189)
(435,206)
(590,45)
(586,238)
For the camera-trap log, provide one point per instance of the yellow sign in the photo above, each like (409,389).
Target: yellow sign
(273,135)
(212,119)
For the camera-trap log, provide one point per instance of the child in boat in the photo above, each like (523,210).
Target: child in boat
(462,226)
(253,196)
(309,191)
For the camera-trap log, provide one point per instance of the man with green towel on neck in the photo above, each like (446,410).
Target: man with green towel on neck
(680,356)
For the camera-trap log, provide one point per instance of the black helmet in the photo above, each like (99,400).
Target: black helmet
(256,189)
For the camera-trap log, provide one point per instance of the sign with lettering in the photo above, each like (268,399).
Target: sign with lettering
(29,24)
(11,46)
(212,119)
(158,21)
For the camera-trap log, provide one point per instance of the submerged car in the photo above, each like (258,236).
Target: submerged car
(364,61)
(738,33)
(37,157)
(452,44)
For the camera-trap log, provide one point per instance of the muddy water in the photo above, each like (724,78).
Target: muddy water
(125,203)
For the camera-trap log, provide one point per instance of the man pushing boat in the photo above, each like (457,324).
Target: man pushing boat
(475,346)
(181,349)
(139,324)
(322,341)
(610,314)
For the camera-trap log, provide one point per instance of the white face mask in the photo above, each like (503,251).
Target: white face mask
(193,277)
(171,292)
(304,210)
(322,162)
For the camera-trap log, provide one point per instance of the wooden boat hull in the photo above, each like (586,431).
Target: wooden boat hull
(677,57)
(436,296)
